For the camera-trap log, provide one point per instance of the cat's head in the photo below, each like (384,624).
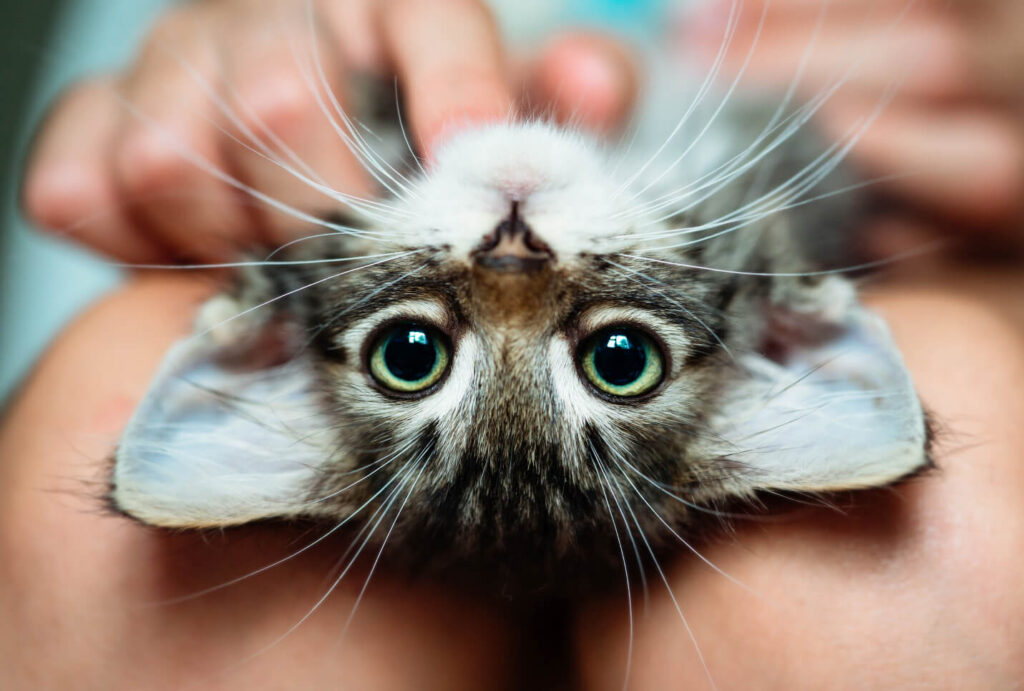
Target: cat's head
(527,354)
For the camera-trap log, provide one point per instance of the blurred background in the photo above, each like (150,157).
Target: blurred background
(46,45)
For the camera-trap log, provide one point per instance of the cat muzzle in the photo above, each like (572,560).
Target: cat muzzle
(512,247)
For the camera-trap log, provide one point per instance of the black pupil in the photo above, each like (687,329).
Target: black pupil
(410,353)
(619,357)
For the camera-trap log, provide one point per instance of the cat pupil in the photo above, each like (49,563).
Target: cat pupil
(620,359)
(410,354)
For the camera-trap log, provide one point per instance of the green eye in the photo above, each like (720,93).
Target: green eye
(621,361)
(409,358)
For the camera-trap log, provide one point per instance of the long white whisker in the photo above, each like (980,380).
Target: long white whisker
(632,541)
(377,166)
(299,289)
(205,165)
(282,560)
(238,265)
(803,180)
(260,149)
(383,544)
(679,537)
(730,173)
(721,106)
(672,596)
(625,571)
(296,241)
(365,298)
(405,134)
(909,254)
(380,513)
(814,173)
(630,274)
(702,91)
(794,82)
(380,463)
(666,490)
(745,160)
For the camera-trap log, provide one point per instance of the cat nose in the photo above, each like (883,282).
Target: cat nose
(512,247)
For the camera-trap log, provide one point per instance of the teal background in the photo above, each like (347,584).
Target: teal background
(43,281)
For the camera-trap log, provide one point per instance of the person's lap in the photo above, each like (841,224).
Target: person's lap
(915,584)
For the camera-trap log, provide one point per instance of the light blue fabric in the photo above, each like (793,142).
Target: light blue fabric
(44,282)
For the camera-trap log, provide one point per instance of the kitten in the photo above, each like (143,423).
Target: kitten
(535,348)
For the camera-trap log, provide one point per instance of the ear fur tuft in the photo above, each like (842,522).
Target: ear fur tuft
(829,406)
(221,439)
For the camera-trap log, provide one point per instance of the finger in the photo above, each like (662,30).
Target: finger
(350,23)
(900,238)
(994,29)
(69,187)
(284,110)
(925,56)
(170,135)
(448,58)
(968,164)
(585,79)
(750,11)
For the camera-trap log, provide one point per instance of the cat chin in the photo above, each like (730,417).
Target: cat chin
(558,179)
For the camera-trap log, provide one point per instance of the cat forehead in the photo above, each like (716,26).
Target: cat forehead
(559,180)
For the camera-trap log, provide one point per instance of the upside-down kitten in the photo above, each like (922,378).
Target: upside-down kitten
(536,346)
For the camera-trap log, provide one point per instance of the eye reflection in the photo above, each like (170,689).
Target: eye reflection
(409,358)
(622,361)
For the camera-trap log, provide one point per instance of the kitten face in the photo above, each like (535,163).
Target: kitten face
(530,368)
(517,282)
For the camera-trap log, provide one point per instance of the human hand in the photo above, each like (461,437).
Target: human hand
(950,143)
(115,165)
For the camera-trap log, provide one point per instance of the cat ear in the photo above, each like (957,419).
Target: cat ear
(228,432)
(827,405)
